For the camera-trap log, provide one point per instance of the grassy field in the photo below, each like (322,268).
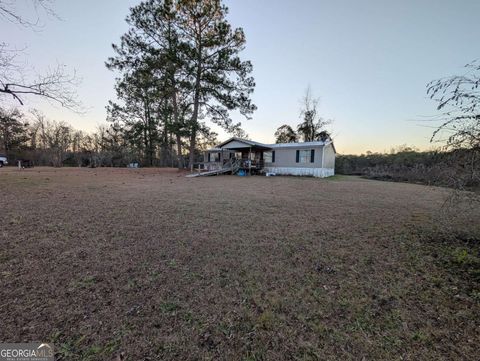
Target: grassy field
(154,266)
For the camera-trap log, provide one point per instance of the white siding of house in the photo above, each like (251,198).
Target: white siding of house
(286,164)
(329,157)
(312,172)
(287,157)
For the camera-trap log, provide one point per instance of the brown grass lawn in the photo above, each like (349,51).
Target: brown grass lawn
(154,266)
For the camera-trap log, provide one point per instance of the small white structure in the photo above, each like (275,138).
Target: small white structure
(315,159)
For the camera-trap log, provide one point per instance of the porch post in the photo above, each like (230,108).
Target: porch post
(323,156)
(250,161)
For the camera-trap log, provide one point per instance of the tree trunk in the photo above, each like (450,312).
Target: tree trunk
(196,105)
(193,143)
(179,151)
(178,129)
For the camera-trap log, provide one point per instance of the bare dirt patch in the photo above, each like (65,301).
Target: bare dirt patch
(153,265)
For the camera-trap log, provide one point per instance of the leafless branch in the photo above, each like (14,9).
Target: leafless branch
(10,12)
(55,85)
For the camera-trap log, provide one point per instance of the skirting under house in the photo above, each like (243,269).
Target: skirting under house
(312,172)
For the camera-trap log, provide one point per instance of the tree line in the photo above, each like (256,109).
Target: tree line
(455,168)
(179,73)
(35,138)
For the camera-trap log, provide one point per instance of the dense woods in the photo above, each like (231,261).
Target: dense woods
(457,168)
(48,142)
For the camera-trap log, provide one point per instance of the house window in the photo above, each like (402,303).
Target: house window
(268,157)
(303,156)
(214,157)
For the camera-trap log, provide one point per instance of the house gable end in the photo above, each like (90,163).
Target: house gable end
(235,144)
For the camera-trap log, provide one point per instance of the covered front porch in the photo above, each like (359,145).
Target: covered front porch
(246,155)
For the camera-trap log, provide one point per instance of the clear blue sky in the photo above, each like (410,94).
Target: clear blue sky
(368,61)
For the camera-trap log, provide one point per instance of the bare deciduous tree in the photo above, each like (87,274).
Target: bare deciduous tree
(10,12)
(56,84)
(458,100)
(313,126)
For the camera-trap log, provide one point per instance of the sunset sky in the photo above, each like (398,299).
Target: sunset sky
(368,61)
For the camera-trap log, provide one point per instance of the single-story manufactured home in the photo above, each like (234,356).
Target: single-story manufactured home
(315,159)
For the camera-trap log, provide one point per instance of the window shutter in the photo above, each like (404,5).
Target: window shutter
(209,157)
(273,156)
(298,156)
(312,156)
